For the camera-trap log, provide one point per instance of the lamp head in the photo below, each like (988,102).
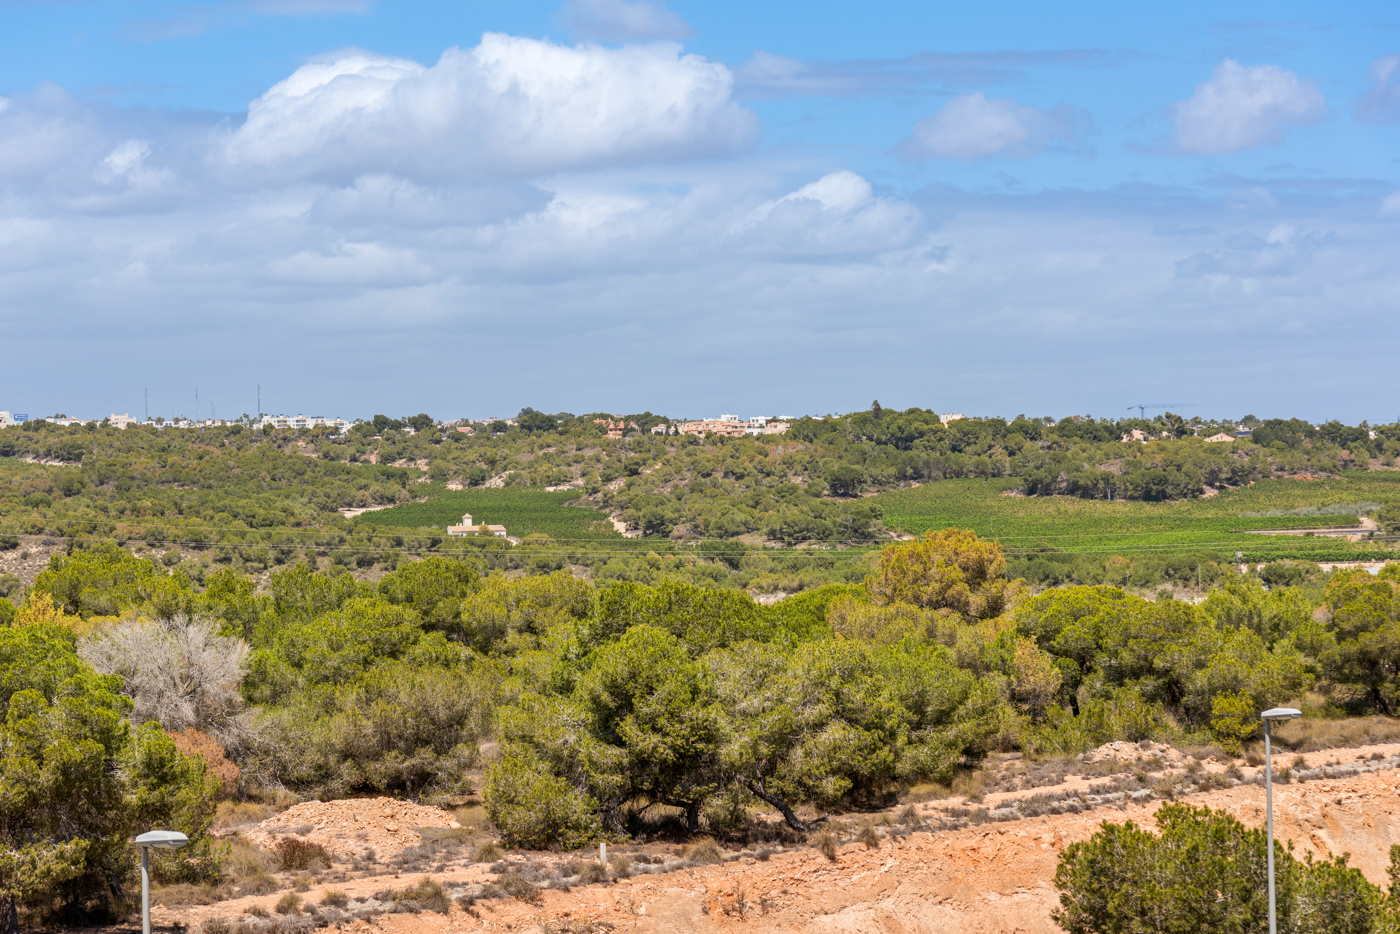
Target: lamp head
(1281,713)
(163,839)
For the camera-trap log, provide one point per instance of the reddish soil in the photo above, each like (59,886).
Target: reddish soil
(994,877)
(348,828)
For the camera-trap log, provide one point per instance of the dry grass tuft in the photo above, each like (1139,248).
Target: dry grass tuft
(232,814)
(826,845)
(869,836)
(592,872)
(429,894)
(517,886)
(704,852)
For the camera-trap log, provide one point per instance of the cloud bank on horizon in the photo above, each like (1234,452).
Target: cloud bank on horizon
(651,212)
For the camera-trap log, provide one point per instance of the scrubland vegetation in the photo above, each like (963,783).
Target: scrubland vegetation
(620,709)
(211,628)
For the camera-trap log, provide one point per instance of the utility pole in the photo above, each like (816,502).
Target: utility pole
(1271,716)
(146,393)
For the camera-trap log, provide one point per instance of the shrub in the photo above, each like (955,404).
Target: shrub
(289,904)
(296,854)
(80,782)
(826,845)
(216,926)
(534,809)
(334,898)
(1233,719)
(192,742)
(487,852)
(404,725)
(1204,872)
(183,676)
(869,836)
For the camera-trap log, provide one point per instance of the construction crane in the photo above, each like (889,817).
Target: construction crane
(1164,405)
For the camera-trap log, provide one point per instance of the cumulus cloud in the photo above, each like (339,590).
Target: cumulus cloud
(838,213)
(623,20)
(974,127)
(1381,104)
(508,107)
(1246,108)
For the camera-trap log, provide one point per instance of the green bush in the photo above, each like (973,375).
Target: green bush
(1204,871)
(534,809)
(403,726)
(79,782)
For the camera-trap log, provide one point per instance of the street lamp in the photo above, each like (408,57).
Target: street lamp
(162,839)
(1270,715)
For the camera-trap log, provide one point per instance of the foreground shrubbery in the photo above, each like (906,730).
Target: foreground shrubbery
(1205,871)
(79,781)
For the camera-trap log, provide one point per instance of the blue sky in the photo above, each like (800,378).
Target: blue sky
(469,207)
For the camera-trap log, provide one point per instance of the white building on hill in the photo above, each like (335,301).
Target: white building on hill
(468,527)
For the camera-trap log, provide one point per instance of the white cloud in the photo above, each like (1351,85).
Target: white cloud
(508,107)
(840,191)
(1390,207)
(623,20)
(124,160)
(973,127)
(838,213)
(1246,108)
(1381,104)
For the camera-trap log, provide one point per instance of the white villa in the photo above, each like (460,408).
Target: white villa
(469,528)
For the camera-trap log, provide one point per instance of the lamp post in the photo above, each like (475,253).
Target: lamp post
(1271,715)
(162,839)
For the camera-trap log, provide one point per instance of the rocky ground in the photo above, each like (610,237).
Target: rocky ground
(950,864)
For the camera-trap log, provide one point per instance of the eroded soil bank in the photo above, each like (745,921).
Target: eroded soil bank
(994,877)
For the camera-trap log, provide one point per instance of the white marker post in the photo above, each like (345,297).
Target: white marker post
(165,840)
(1270,715)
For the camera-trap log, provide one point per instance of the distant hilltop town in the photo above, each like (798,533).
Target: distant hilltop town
(725,426)
(8,420)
